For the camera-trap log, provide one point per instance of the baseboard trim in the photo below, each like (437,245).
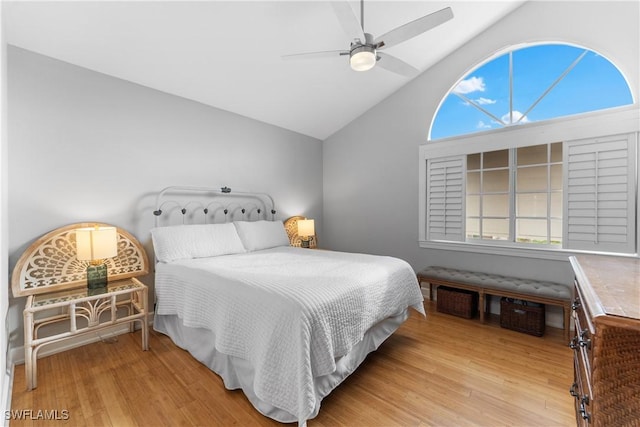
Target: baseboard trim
(16,354)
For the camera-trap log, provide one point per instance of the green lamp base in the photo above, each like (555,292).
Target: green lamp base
(97,276)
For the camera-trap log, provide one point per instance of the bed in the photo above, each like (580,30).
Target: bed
(284,324)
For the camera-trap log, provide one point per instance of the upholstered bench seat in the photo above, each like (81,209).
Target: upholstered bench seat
(492,284)
(494,281)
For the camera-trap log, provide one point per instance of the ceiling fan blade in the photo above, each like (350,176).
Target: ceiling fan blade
(396,65)
(414,28)
(348,20)
(321,54)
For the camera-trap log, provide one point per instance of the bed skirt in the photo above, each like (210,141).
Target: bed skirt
(238,373)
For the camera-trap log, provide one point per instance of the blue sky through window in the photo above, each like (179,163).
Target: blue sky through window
(591,83)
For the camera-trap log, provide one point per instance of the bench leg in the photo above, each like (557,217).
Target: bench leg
(481,298)
(420,280)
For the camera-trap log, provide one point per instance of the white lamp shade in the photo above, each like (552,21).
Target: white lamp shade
(95,243)
(306,228)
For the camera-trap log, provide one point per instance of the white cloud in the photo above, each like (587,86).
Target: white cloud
(473,84)
(516,117)
(485,101)
(483,125)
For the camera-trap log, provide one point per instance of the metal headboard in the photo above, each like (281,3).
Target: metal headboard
(207,205)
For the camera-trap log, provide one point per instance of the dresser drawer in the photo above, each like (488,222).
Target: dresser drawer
(584,332)
(581,390)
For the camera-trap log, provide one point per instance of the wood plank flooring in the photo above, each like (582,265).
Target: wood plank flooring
(438,371)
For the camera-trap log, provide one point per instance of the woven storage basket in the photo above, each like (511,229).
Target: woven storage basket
(458,302)
(522,316)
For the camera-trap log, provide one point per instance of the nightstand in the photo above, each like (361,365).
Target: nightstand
(291,227)
(87,311)
(54,281)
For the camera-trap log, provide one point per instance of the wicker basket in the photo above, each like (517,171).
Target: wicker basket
(458,302)
(522,316)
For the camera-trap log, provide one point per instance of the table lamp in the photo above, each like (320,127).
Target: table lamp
(306,230)
(95,244)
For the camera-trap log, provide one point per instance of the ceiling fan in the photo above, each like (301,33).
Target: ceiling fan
(364,51)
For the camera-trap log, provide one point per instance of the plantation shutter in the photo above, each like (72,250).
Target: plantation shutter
(599,188)
(445,197)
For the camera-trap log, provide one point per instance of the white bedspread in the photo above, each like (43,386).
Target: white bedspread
(289,311)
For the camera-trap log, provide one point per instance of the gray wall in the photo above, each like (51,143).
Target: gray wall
(84,146)
(371,165)
(5,363)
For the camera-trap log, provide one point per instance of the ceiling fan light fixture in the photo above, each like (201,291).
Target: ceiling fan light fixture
(365,50)
(363,58)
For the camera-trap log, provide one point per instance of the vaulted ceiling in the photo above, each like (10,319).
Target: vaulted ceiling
(228,54)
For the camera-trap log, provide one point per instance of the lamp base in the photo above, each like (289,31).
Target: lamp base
(304,243)
(97,291)
(97,276)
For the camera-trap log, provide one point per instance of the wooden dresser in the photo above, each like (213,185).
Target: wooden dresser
(606,343)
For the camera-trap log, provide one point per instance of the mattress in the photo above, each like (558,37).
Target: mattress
(284,317)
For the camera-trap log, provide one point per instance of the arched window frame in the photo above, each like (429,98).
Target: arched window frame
(509,51)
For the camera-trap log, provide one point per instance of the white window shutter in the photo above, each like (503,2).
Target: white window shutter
(600,194)
(445,198)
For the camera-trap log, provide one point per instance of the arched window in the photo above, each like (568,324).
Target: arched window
(530,84)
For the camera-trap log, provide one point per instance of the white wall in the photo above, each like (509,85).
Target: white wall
(371,165)
(84,146)
(5,386)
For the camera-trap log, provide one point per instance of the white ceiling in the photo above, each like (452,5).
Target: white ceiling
(228,54)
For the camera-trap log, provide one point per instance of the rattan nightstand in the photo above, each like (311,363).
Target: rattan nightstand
(55,283)
(123,301)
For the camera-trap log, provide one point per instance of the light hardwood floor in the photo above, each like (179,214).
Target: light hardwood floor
(440,371)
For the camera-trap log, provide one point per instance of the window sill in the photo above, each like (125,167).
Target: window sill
(556,254)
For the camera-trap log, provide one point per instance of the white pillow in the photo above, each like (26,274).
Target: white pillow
(195,241)
(256,235)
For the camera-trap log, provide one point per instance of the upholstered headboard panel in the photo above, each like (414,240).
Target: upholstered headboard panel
(50,263)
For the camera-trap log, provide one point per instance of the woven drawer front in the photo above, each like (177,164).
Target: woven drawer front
(522,316)
(458,302)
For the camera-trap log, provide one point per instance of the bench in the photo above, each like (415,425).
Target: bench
(487,285)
